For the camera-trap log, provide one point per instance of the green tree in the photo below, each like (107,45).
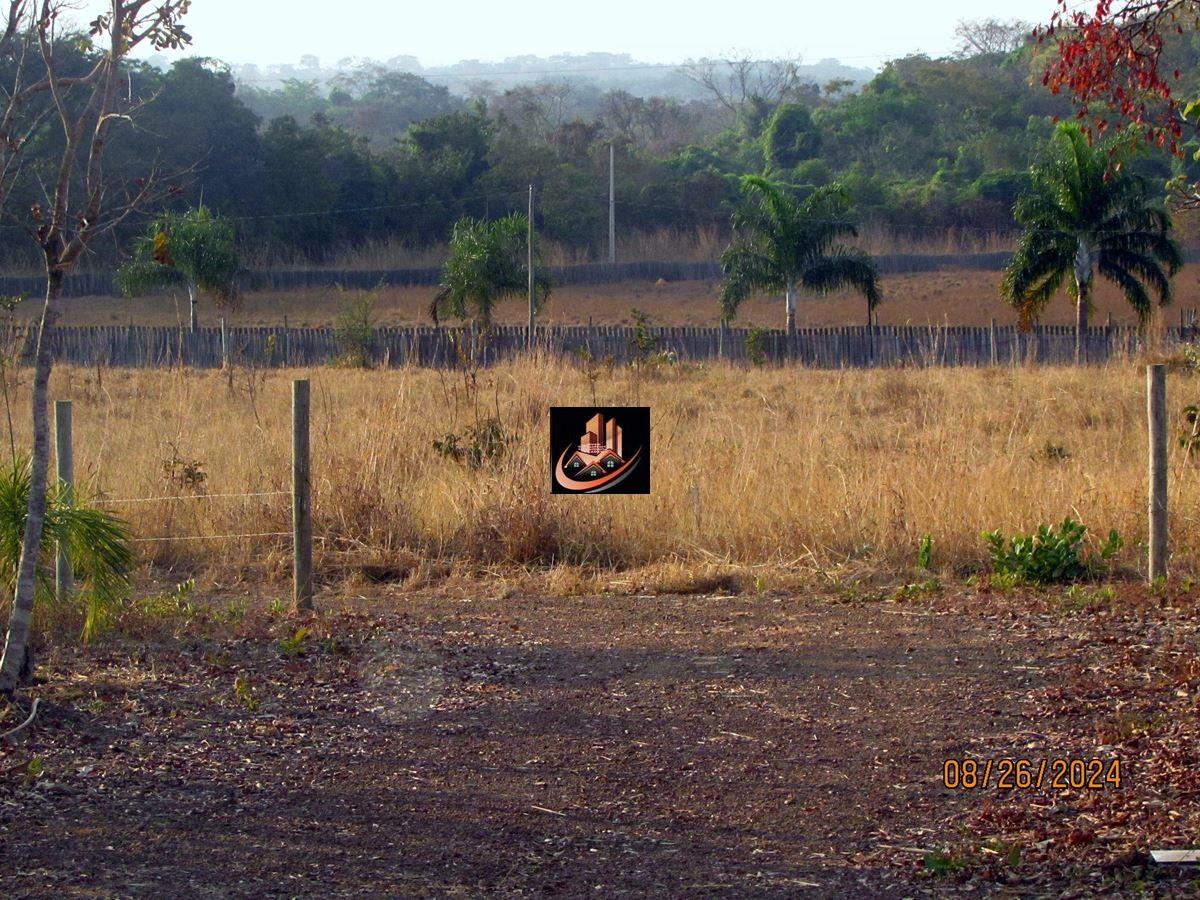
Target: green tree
(196,121)
(195,249)
(488,263)
(782,243)
(1083,215)
(791,137)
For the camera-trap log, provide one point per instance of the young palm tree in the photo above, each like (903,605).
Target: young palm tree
(487,263)
(96,543)
(783,244)
(1080,216)
(195,249)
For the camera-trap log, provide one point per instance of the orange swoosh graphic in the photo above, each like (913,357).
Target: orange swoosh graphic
(592,485)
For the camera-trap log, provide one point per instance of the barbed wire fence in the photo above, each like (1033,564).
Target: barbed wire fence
(301,494)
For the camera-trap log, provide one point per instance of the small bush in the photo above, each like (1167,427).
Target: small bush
(756,346)
(478,444)
(1049,554)
(354,331)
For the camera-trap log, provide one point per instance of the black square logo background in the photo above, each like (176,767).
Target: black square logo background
(568,425)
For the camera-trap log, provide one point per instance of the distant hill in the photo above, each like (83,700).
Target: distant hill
(599,71)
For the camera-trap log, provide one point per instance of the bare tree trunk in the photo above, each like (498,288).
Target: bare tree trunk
(17,659)
(1083,284)
(192,304)
(790,301)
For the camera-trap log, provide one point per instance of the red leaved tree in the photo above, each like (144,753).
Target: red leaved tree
(1113,61)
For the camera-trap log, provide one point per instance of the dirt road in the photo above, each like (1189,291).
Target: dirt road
(744,746)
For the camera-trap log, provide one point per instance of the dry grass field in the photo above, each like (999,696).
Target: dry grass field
(738,685)
(759,476)
(950,296)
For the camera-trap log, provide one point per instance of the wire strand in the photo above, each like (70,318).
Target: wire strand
(209,537)
(113,502)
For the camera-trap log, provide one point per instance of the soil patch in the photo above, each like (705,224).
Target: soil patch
(765,745)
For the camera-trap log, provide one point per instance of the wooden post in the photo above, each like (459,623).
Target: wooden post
(224,344)
(302,567)
(64,578)
(994,351)
(1156,395)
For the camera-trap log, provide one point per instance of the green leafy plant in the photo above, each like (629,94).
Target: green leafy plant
(171,604)
(354,331)
(756,345)
(915,589)
(943,862)
(477,444)
(1049,554)
(925,551)
(1076,597)
(97,544)
(644,343)
(293,645)
(243,689)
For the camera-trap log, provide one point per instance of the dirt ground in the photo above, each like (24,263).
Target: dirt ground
(471,742)
(950,296)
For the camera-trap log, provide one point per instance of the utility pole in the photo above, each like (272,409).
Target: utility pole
(612,206)
(529,267)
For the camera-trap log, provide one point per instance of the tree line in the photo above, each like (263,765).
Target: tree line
(311,170)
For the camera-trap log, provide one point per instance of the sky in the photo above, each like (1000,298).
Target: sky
(864,33)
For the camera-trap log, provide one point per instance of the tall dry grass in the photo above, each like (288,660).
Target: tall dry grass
(805,471)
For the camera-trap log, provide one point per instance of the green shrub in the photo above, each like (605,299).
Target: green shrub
(354,331)
(478,444)
(756,346)
(1049,554)
(96,542)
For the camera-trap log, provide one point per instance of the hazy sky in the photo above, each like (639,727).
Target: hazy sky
(864,33)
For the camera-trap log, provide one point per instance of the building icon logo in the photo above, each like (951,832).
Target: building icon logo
(603,450)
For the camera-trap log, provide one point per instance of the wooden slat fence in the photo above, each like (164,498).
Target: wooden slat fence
(141,346)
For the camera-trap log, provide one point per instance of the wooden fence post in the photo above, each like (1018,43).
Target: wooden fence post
(224,344)
(1156,395)
(302,562)
(64,578)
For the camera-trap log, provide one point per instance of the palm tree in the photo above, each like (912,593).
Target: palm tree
(1083,215)
(96,543)
(195,248)
(782,243)
(488,262)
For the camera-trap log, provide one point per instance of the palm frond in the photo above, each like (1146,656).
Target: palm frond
(1077,198)
(781,240)
(96,543)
